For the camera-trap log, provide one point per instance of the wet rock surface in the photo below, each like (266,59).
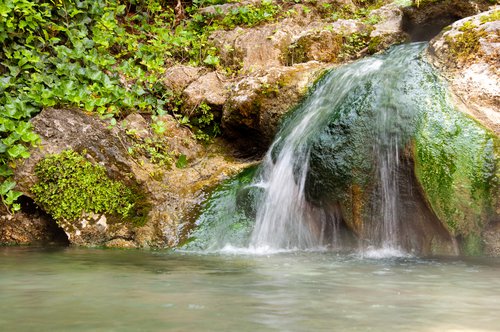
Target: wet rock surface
(170,192)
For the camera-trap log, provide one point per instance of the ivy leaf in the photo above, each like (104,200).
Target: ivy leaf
(212,60)
(7,186)
(12,196)
(5,171)
(181,162)
(17,151)
(29,137)
(15,207)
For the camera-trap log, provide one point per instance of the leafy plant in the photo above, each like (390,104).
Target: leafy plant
(104,56)
(155,149)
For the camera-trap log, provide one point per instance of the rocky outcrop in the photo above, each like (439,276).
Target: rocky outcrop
(178,77)
(166,195)
(459,168)
(209,89)
(467,55)
(279,62)
(425,20)
(29,226)
(257,102)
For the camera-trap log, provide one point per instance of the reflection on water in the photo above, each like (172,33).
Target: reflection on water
(112,290)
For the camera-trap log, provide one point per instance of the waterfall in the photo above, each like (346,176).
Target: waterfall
(339,172)
(374,88)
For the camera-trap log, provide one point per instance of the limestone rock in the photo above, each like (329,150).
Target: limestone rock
(322,44)
(427,20)
(137,126)
(180,139)
(251,49)
(389,30)
(120,243)
(30,226)
(171,193)
(178,77)
(467,55)
(62,129)
(226,8)
(261,47)
(96,230)
(491,238)
(258,101)
(209,88)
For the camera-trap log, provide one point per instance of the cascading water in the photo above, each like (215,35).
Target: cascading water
(342,166)
(373,89)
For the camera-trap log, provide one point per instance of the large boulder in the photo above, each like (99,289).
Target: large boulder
(458,158)
(257,102)
(467,55)
(162,194)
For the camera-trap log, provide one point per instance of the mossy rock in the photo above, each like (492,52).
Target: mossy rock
(458,166)
(227,215)
(69,187)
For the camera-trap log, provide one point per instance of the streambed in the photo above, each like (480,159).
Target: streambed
(68,289)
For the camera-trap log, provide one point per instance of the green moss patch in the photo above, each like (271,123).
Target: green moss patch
(466,45)
(70,185)
(458,165)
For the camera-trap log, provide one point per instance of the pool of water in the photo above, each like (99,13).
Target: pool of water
(67,289)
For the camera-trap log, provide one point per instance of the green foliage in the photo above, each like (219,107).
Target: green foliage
(361,12)
(104,56)
(353,44)
(69,186)
(182,161)
(472,245)
(154,148)
(204,119)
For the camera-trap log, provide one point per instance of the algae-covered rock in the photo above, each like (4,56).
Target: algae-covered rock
(359,157)
(227,215)
(458,149)
(458,166)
